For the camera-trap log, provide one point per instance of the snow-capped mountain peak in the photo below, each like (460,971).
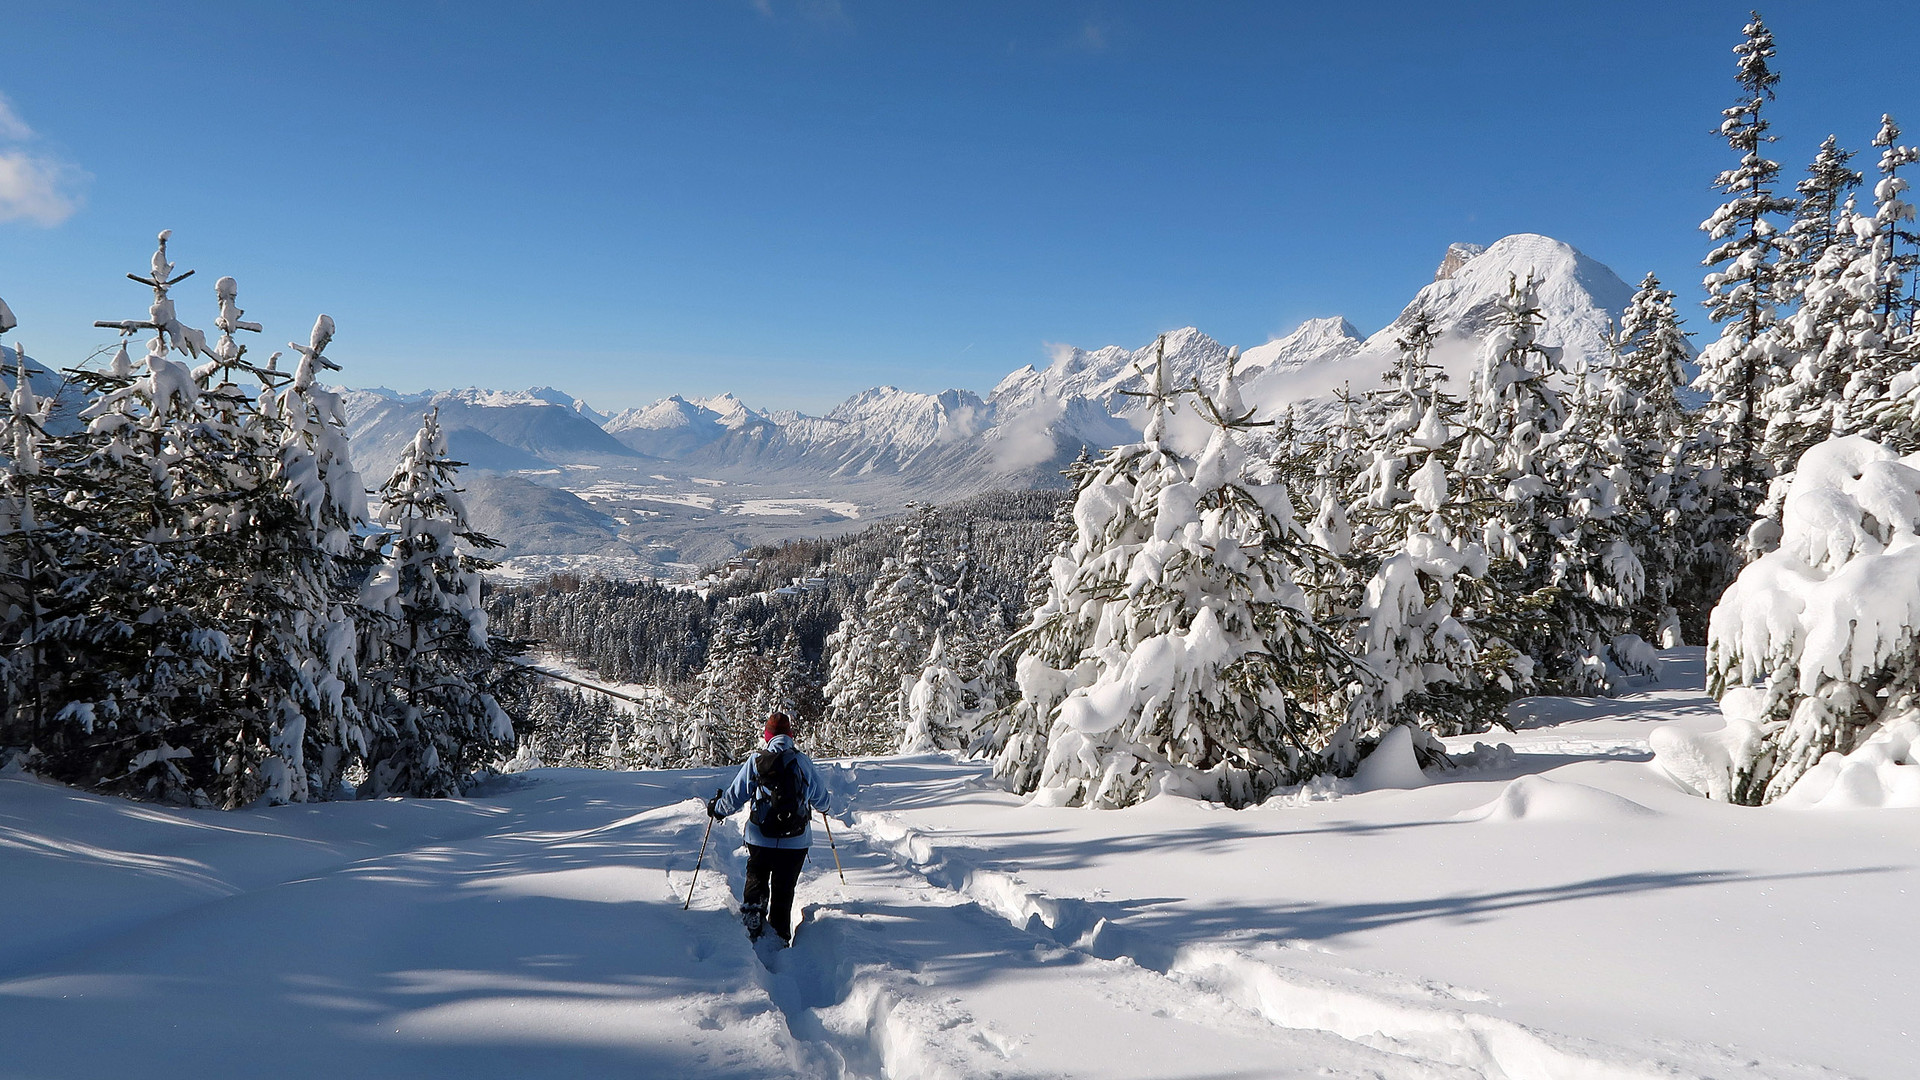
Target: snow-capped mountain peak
(723,405)
(1313,340)
(1579,300)
(1578,296)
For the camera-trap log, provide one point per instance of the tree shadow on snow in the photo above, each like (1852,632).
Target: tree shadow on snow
(1152,930)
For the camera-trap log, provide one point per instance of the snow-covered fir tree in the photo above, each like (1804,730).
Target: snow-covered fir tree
(31,564)
(1818,637)
(1882,279)
(876,655)
(1016,735)
(428,664)
(1810,403)
(1416,579)
(724,716)
(1744,295)
(1657,486)
(198,554)
(1508,464)
(938,717)
(1597,567)
(1178,648)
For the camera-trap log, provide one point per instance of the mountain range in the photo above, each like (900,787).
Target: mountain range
(686,480)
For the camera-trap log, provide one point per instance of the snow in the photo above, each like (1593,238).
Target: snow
(1561,911)
(1538,798)
(693,499)
(1391,765)
(527,569)
(793,507)
(1882,771)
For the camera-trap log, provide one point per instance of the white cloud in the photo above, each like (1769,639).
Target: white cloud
(12,128)
(35,187)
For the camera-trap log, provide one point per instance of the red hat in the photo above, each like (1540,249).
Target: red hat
(778,724)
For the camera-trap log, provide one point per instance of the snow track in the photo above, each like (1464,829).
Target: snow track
(895,975)
(1422,1029)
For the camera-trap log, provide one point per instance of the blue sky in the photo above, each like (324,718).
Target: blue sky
(797,199)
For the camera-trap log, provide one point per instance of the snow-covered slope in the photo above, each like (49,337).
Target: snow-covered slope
(1559,909)
(888,429)
(1316,341)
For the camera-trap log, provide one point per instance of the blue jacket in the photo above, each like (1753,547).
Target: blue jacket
(739,794)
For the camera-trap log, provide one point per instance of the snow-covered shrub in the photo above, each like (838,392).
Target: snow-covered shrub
(1823,626)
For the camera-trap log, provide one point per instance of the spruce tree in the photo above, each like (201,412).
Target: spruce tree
(1016,736)
(1173,638)
(938,717)
(1659,493)
(1597,566)
(428,664)
(1744,295)
(877,655)
(1882,280)
(1416,585)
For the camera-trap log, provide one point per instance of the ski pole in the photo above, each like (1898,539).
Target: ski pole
(828,822)
(702,858)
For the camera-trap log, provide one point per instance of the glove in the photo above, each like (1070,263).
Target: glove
(714,811)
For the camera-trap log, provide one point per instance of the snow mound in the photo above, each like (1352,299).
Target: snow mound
(1880,772)
(1391,765)
(1704,762)
(1536,798)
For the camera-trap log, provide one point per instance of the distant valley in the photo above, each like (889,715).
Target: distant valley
(660,490)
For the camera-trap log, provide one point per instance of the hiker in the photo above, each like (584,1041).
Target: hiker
(783,787)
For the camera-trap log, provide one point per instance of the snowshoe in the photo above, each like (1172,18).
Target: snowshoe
(755,920)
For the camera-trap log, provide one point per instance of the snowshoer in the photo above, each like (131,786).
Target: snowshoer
(783,788)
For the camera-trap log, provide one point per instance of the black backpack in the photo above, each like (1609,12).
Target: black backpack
(779,802)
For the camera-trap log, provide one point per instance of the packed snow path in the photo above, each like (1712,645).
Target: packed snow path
(1563,912)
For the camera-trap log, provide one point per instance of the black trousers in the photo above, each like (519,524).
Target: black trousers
(771,875)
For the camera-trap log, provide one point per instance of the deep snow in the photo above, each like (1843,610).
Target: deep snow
(1561,910)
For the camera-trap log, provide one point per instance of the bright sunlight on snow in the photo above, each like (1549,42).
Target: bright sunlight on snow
(1563,910)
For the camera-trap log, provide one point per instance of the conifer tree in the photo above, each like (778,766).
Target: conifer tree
(877,655)
(1597,566)
(428,664)
(733,697)
(1658,491)
(937,715)
(31,562)
(1174,640)
(1744,296)
(1507,464)
(1016,736)
(1417,575)
(1882,280)
(1820,216)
